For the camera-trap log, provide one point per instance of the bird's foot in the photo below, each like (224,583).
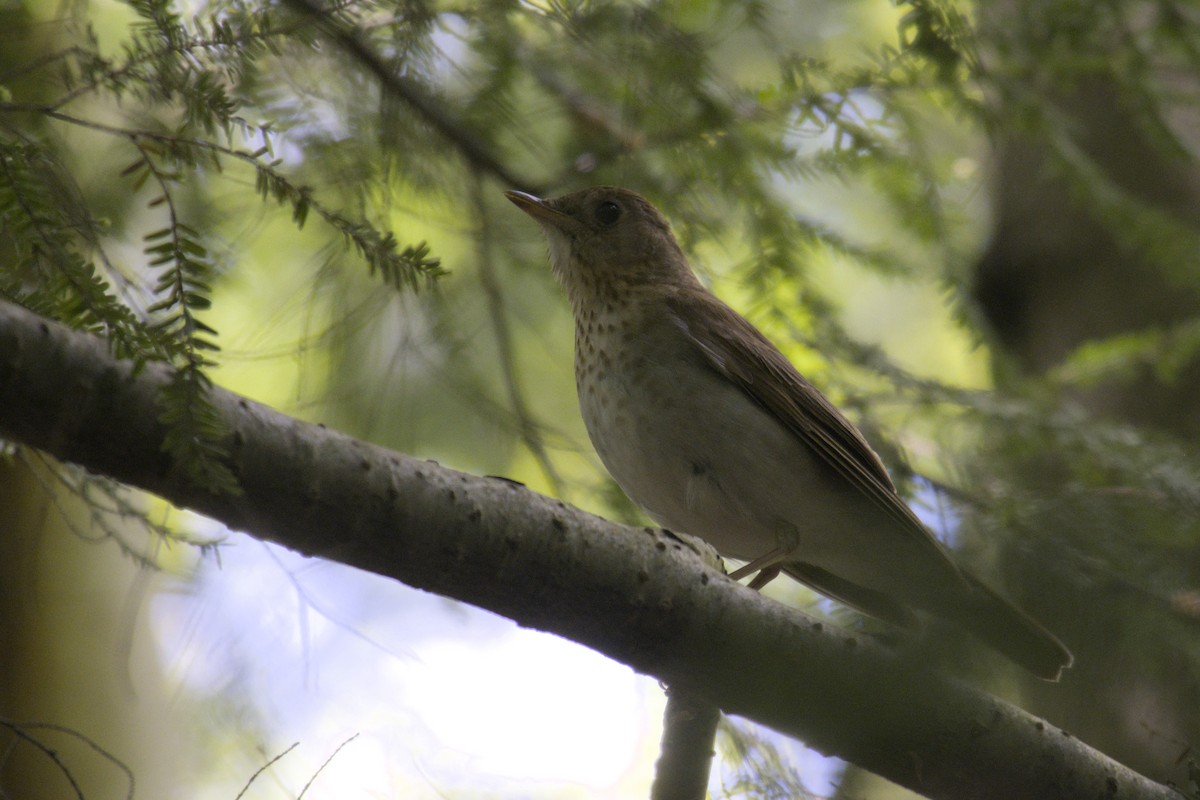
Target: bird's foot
(768,565)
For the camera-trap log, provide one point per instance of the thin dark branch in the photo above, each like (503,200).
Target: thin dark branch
(21,731)
(324,764)
(528,427)
(467,142)
(263,769)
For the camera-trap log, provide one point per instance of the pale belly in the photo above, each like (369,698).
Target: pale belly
(704,459)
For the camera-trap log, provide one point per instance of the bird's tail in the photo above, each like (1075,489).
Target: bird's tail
(1009,630)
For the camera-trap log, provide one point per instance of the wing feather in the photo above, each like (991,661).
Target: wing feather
(737,350)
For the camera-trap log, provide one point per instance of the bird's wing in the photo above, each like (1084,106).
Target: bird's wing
(738,351)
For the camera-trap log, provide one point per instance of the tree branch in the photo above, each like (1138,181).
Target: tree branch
(642,596)
(686,753)
(475,150)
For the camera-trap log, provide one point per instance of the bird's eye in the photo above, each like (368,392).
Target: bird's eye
(608,212)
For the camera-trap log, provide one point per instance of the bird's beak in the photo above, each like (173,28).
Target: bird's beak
(539,209)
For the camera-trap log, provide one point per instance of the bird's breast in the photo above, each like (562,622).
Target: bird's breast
(683,442)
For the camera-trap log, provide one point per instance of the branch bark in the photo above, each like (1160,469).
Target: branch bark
(642,596)
(686,753)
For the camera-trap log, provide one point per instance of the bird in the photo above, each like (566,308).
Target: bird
(705,424)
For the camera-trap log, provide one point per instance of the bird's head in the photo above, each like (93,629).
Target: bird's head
(606,240)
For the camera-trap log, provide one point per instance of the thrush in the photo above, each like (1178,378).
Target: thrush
(706,425)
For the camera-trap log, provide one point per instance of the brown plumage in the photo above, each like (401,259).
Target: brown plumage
(706,425)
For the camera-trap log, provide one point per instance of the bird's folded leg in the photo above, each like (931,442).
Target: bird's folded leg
(764,577)
(767,561)
(769,564)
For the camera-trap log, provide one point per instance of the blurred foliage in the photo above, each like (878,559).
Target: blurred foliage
(762,771)
(302,201)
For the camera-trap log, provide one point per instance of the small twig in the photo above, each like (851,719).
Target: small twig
(20,730)
(332,756)
(263,769)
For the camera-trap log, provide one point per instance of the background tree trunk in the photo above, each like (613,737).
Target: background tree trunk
(1057,276)
(76,651)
